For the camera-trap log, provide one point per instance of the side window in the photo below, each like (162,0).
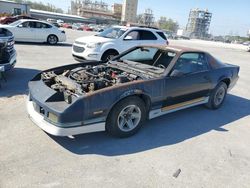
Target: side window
(28,24)
(162,35)
(25,24)
(47,26)
(32,24)
(147,35)
(133,35)
(42,25)
(191,63)
(38,25)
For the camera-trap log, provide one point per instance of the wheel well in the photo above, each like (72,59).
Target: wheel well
(109,51)
(226,81)
(144,98)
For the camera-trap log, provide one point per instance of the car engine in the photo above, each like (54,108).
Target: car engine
(82,80)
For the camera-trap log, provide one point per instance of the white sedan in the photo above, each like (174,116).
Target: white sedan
(35,31)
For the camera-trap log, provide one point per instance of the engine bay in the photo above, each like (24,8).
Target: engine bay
(82,80)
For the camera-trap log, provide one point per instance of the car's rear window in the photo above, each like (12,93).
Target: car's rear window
(162,35)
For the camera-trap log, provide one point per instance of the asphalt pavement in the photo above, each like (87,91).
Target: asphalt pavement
(195,147)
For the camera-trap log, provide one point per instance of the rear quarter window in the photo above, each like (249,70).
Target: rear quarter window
(162,35)
(42,25)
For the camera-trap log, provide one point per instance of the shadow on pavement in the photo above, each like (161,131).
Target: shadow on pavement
(62,44)
(166,130)
(17,82)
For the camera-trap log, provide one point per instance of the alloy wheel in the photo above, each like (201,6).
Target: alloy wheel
(129,118)
(219,96)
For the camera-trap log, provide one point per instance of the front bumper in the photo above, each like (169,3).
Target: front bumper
(8,65)
(39,120)
(84,53)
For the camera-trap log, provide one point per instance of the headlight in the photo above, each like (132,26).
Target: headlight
(3,42)
(52,117)
(1,69)
(94,45)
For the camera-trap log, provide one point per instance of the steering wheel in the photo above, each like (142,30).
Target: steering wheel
(161,66)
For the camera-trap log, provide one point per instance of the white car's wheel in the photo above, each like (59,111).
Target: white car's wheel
(52,39)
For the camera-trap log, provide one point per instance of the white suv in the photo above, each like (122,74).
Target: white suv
(115,40)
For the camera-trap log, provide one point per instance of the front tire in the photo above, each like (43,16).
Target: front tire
(109,55)
(126,117)
(217,96)
(52,39)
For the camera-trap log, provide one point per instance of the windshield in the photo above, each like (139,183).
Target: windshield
(113,33)
(16,23)
(151,56)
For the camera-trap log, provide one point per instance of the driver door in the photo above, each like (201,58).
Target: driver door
(189,81)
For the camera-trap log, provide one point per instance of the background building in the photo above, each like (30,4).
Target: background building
(129,11)
(198,23)
(89,8)
(12,8)
(96,10)
(117,11)
(147,18)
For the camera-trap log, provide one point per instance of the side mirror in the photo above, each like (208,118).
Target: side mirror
(128,38)
(20,26)
(176,73)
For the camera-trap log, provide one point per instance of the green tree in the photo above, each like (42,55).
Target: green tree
(168,24)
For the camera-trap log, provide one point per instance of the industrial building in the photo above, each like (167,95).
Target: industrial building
(12,8)
(129,11)
(147,18)
(96,10)
(198,23)
(117,11)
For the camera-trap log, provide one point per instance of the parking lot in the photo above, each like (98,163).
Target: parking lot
(195,147)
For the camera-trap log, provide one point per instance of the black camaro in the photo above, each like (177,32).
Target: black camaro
(118,96)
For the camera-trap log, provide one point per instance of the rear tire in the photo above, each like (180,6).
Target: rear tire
(217,96)
(52,39)
(126,117)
